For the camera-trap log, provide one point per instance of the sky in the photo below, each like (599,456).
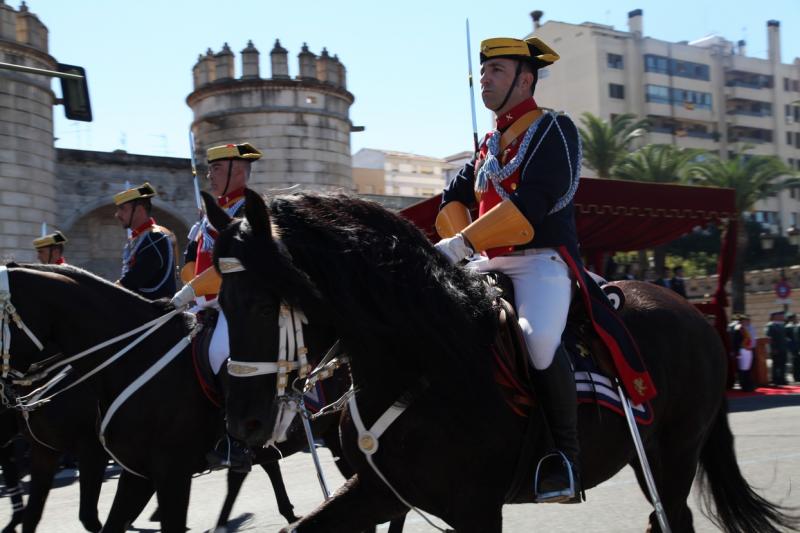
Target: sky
(406,60)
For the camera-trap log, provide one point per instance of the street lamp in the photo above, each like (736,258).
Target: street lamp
(767,241)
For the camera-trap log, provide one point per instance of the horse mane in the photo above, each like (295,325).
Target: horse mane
(387,285)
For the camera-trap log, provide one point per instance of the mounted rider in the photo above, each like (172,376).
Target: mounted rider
(523,179)
(228,172)
(149,257)
(50,248)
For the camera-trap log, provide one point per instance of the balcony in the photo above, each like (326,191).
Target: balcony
(747,92)
(751,119)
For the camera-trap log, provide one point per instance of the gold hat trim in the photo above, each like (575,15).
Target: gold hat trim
(244,151)
(508,46)
(49,240)
(144,190)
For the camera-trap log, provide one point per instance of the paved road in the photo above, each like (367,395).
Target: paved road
(767,442)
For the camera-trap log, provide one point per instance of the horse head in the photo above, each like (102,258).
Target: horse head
(261,290)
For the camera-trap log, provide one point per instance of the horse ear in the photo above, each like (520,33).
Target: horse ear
(256,212)
(216,215)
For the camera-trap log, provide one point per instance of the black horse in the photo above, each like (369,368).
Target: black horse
(420,330)
(67,425)
(161,433)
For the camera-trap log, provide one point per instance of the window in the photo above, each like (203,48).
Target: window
(676,67)
(616,91)
(787,84)
(689,99)
(789,138)
(614,61)
(657,94)
(797,139)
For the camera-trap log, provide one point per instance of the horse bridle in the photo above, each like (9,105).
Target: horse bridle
(291,342)
(8,313)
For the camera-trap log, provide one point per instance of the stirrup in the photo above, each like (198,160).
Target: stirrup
(556,496)
(219,460)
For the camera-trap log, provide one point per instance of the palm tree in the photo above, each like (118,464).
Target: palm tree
(754,177)
(656,163)
(606,143)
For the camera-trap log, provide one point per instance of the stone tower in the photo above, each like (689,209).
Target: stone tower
(301,123)
(27,153)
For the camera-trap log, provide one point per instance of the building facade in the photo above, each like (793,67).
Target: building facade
(706,94)
(398,173)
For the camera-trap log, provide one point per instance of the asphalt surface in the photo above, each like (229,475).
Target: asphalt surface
(767,431)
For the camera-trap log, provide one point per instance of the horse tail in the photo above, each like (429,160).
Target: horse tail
(737,507)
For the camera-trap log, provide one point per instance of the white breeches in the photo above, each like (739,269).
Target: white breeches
(218,349)
(543,290)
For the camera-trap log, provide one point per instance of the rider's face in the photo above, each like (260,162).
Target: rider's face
(123,214)
(497,75)
(218,175)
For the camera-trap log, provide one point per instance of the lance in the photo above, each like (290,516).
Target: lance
(129,231)
(472,94)
(198,200)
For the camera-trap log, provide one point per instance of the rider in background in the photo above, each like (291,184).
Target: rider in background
(149,257)
(50,248)
(523,179)
(228,172)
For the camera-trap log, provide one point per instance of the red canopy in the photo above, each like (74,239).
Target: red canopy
(615,215)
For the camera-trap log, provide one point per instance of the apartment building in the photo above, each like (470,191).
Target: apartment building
(398,173)
(706,94)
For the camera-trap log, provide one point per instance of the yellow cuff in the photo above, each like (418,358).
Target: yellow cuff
(502,225)
(453,218)
(187,272)
(207,282)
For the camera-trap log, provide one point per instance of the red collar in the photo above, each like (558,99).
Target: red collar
(60,261)
(138,231)
(230,198)
(510,116)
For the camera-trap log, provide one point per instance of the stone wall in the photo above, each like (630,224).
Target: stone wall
(86,184)
(27,154)
(301,124)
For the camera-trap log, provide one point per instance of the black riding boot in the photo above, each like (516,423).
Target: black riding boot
(230,453)
(557,478)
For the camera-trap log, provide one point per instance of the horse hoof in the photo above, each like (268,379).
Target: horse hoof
(92,525)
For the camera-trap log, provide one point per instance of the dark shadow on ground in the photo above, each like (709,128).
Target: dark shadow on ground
(760,402)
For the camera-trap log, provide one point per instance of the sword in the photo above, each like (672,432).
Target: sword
(312,447)
(472,93)
(198,200)
(648,474)
(44,229)
(128,231)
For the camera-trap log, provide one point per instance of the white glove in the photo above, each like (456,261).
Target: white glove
(184,297)
(454,248)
